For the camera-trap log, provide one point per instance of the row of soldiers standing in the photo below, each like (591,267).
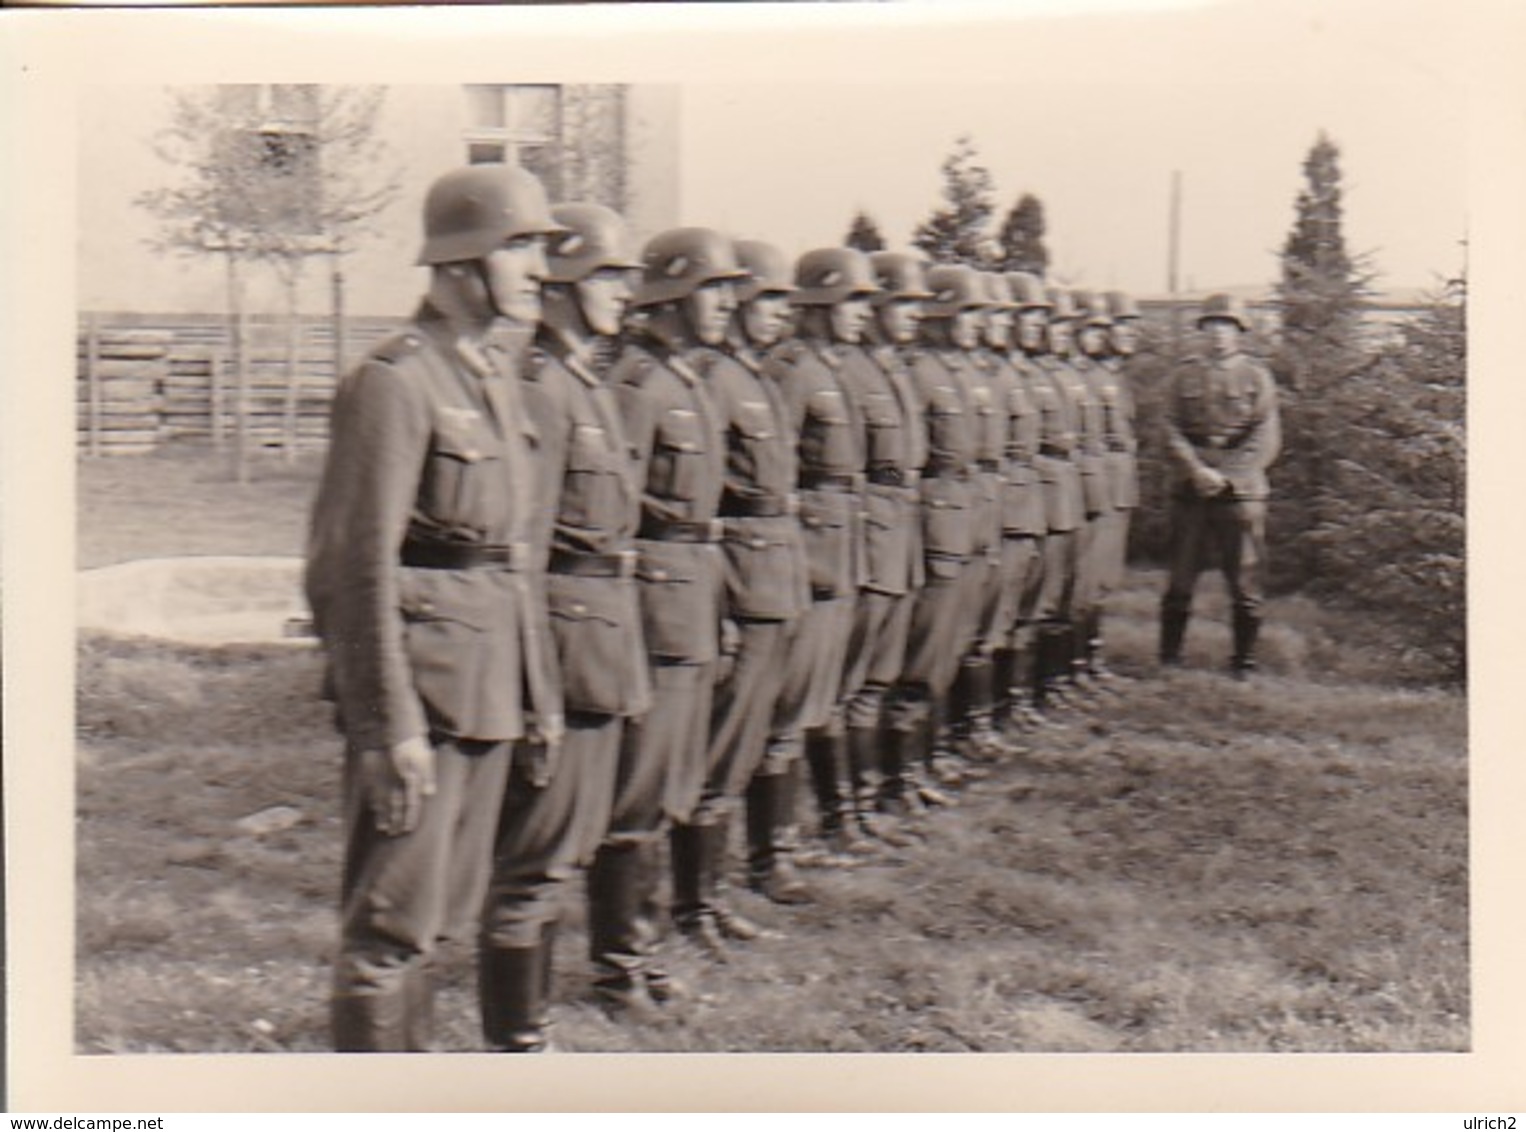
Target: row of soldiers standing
(743,521)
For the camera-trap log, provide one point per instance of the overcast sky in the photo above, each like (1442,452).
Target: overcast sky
(1094,117)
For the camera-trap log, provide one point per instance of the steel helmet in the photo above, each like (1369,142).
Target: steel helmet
(899,276)
(596,237)
(680,261)
(998,290)
(1224,306)
(830,275)
(1122,305)
(1062,305)
(768,270)
(469,212)
(955,287)
(1091,308)
(1028,291)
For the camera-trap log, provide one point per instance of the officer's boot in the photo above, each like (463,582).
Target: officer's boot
(731,923)
(897,793)
(870,760)
(373,1023)
(1173,630)
(694,888)
(770,871)
(511,988)
(832,781)
(1024,674)
(987,743)
(615,941)
(932,768)
(662,986)
(1003,718)
(1247,627)
(1096,658)
(1049,658)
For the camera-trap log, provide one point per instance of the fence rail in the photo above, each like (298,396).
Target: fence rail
(143,380)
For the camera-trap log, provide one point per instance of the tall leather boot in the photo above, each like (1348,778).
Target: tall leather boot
(373,1023)
(770,871)
(728,921)
(986,743)
(1173,631)
(616,943)
(832,781)
(1051,663)
(693,889)
(1247,627)
(941,766)
(897,793)
(869,760)
(511,988)
(1003,679)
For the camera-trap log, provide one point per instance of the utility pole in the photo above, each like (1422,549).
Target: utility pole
(1173,260)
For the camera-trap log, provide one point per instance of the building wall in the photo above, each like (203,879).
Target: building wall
(422,125)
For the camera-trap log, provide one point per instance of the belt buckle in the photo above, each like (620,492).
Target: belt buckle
(911,477)
(627,568)
(715,530)
(791,503)
(518,556)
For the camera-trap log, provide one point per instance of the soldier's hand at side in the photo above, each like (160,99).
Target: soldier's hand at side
(731,644)
(1209,482)
(396,780)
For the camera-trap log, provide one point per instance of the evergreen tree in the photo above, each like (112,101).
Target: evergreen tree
(956,232)
(1320,297)
(1022,237)
(864,234)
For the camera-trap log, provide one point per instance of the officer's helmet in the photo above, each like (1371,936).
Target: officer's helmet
(1091,309)
(1224,306)
(830,275)
(898,276)
(469,212)
(768,270)
(955,287)
(595,238)
(1028,291)
(999,291)
(680,261)
(1062,305)
(1121,305)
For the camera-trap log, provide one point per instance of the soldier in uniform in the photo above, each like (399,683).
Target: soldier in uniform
(677,434)
(1109,345)
(1022,514)
(1062,492)
(844,760)
(832,289)
(1222,432)
(766,584)
(420,575)
(955,522)
(990,390)
(586,515)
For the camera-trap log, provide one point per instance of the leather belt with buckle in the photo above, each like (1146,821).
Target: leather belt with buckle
(680,530)
(760,506)
(830,481)
(894,477)
(514,556)
(585,564)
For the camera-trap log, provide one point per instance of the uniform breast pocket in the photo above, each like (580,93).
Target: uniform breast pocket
(678,456)
(947,429)
(459,478)
(753,434)
(593,493)
(827,436)
(882,425)
(947,524)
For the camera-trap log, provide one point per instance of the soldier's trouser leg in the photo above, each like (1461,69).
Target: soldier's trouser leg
(402,894)
(1241,532)
(546,833)
(1052,612)
(1189,520)
(658,772)
(1112,555)
(1021,574)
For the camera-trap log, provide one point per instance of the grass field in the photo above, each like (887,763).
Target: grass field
(1198,865)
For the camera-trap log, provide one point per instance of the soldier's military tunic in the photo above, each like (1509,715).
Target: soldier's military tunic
(767,585)
(678,441)
(1220,414)
(1023,520)
(940,618)
(1120,441)
(1064,495)
(587,514)
(419,575)
(1075,373)
(987,385)
(879,385)
(830,477)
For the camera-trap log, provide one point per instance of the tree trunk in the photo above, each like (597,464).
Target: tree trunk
(293,376)
(341,347)
(241,387)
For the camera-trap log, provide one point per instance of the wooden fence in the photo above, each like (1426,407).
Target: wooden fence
(145,380)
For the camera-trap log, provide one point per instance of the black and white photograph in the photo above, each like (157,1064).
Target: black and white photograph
(894,529)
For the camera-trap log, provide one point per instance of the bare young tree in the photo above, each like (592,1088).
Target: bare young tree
(273,175)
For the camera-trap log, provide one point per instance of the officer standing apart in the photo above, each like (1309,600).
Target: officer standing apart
(419,577)
(832,289)
(586,521)
(766,585)
(687,300)
(1222,432)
